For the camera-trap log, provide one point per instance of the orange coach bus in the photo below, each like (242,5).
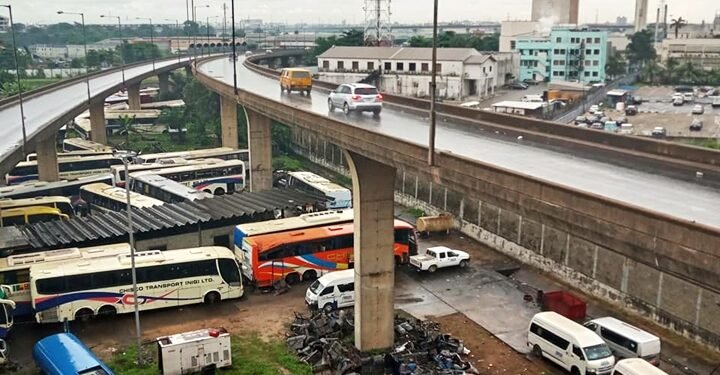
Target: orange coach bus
(308,253)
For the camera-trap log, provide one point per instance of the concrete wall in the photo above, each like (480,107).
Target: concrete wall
(630,279)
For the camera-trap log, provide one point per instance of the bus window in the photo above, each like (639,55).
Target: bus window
(229,270)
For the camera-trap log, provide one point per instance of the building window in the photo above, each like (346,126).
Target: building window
(556,51)
(326,64)
(438,68)
(490,68)
(558,40)
(355,65)
(399,67)
(370,65)
(597,40)
(587,63)
(595,74)
(412,67)
(587,74)
(341,65)
(388,66)
(562,73)
(588,52)
(596,63)
(513,44)
(556,73)
(588,40)
(483,70)
(425,67)
(597,51)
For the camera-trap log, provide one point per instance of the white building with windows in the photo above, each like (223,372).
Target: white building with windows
(462,72)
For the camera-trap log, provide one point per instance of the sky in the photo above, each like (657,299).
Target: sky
(335,11)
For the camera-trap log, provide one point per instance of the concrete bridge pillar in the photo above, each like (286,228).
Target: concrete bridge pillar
(228,122)
(47,159)
(373,186)
(164,79)
(134,97)
(98,129)
(260,141)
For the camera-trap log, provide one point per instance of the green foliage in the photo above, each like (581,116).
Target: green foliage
(675,72)
(677,24)
(77,63)
(127,126)
(11,88)
(102,58)
(281,139)
(7,59)
(173,118)
(287,163)
(133,52)
(351,37)
(415,212)
(616,65)
(451,39)
(251,356)
(641,47)
(708,143)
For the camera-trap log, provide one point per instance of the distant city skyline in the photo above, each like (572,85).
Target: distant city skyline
(333,11)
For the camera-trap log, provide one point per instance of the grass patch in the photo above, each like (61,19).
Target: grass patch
(415,212)
(33,83)
(707,143)
(251,356)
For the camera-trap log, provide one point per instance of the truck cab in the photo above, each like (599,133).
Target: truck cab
(440,257)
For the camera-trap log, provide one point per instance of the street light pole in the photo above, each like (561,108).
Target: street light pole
(234,48)
(19,83)
(177,27)
(433,88)
(126,157)
(196,25)
(207,22)
(122,58)
(87,67)
(152,42)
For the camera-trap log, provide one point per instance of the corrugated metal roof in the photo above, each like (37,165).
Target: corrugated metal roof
(399,53)
(148,219)
(339,52)
(443,54)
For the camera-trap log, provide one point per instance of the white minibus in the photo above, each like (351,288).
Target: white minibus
(568,344)
(627,341)
(332,291)
(636,366)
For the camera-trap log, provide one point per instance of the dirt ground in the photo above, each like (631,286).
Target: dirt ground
(487,353)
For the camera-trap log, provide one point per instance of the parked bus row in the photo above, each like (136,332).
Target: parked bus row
(102,197)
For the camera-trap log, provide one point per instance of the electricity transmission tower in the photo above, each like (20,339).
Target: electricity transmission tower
(378,29)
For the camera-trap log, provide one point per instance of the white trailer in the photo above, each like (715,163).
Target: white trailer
(195,351)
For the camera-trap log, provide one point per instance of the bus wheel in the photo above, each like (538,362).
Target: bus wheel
(292,278)
(83,315)
(212,298)
(107,311)
(219,191)
(537,351)
(309,275)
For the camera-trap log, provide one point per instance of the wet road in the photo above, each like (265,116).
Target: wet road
(44,109)
(682,199)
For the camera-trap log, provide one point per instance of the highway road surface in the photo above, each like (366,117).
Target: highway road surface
(681,199)
(42,110)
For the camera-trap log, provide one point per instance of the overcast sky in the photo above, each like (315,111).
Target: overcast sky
(334,11)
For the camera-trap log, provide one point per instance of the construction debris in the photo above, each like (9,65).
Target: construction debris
(325,341)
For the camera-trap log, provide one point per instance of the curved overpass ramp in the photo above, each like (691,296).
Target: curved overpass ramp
(681,199)
(49,108)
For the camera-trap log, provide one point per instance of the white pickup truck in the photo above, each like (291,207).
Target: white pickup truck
(440,257)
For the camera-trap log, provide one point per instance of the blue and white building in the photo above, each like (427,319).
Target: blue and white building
(568,53)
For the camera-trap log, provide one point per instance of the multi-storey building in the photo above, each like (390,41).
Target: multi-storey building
(567,54)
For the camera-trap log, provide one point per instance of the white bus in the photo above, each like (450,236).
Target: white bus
(118,171)
(60,155)
(166,190)
(103,286)
(79,144)
(73,167)
(225,153)
(61,203)
(62,188)
(107,198)
(218,178)
(15,269)
(337,196)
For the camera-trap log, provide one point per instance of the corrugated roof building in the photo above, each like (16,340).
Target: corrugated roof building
(180,223)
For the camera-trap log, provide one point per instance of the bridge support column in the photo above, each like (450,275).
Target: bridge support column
(47,159)
(373,185)
(228,122)
(98,129)
(164,79)
(134,97)
(260,141)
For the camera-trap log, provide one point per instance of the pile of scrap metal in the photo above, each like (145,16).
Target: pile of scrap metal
(324,340)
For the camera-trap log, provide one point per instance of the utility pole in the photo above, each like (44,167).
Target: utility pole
(433,89)
(234,48)
(224,20)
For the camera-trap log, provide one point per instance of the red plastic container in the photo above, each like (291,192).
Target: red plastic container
(565,304)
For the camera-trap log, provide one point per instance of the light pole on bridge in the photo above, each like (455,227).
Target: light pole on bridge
(19,83)
(152,42)
(195,24)
(87,67)
(122,58)
(177,28)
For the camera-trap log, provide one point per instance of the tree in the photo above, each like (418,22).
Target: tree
(651,71)
(677,24)
(77,63)
(616,65)
(419,41)
(688,74)
(133,52)
(127,126)
(10,88)
(7,59)
(641,49)
(670,66)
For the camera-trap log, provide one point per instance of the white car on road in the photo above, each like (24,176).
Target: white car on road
(358,97)
(439,257)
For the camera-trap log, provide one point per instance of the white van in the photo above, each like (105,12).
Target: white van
(627,341)
(332,291)
(532,99)
(570,345)
(636,366)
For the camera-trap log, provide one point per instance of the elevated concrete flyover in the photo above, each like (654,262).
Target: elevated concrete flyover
(538,216)
(49,108)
